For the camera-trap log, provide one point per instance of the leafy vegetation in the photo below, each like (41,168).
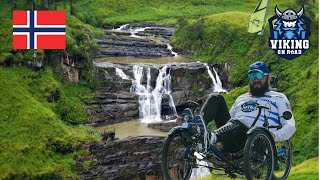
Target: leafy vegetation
(35,143)
(70,104)
(222,38)
(116,12)
(40,139)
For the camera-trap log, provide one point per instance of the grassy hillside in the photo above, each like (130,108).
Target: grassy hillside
(115,12)
(222,38)
(40,139)
(306,170)
(34,142)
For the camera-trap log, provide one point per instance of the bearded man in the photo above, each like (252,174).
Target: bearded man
(232,126)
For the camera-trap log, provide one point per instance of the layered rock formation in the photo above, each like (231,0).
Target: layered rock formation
(130,158)
(115,103)
(124,42)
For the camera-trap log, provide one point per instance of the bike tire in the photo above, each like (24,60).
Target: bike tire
(287,162)
(169,174)
(259,147)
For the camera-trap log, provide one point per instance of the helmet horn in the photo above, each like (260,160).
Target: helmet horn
(279,14)
(300,12)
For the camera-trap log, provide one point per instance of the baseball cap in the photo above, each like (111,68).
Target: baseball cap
(259,67)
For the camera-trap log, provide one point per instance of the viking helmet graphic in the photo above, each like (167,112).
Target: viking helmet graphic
(289,14)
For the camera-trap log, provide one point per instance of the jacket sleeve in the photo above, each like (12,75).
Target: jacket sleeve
(288,126)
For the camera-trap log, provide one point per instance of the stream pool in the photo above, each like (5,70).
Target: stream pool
(131,128)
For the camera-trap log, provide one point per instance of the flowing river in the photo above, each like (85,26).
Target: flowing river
(150,94)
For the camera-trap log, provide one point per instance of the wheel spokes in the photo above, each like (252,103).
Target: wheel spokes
(178,163)
(260,157)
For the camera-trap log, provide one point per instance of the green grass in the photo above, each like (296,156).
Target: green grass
(37,140)
(222,38)
(116,12)
(70,105)
(35,143)
(123,11)
(306,170)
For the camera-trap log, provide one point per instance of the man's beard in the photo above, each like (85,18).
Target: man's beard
(259,91)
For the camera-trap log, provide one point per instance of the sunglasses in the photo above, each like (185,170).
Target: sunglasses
(252,75)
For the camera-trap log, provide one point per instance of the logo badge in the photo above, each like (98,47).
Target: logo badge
(289,33)
(249,106)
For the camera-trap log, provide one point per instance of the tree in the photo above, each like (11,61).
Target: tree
(71,7)
(308,5)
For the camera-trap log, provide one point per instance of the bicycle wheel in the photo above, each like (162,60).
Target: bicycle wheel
(259,156)
(283,160)
(176,162)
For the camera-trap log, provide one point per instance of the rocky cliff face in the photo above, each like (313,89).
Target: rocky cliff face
(115,103)
(130,158)
(124,42)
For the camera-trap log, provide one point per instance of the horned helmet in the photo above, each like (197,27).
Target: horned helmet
(289,16)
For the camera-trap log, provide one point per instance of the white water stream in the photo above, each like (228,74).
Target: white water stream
(120,73)
(217,85)
(134,31)
(150,96)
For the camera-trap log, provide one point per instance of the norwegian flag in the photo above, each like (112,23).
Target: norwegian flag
(39,30)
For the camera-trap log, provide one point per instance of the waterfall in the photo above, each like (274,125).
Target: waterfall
(172,52)
(136,30)
(120,73)
(217,85)
(200,172)
(121,27)
(218,88)
(150,99)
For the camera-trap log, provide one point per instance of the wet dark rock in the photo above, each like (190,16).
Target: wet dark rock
(121,44)
(130,158)
(117,102)
(164,126)
(110,108)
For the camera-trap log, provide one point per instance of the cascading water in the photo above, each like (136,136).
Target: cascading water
(150,99)
(170,48)
(120,73)
(217,85)
(134,31)
(121,27)
(200,171)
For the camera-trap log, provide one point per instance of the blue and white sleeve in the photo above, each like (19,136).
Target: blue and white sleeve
(288,126)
